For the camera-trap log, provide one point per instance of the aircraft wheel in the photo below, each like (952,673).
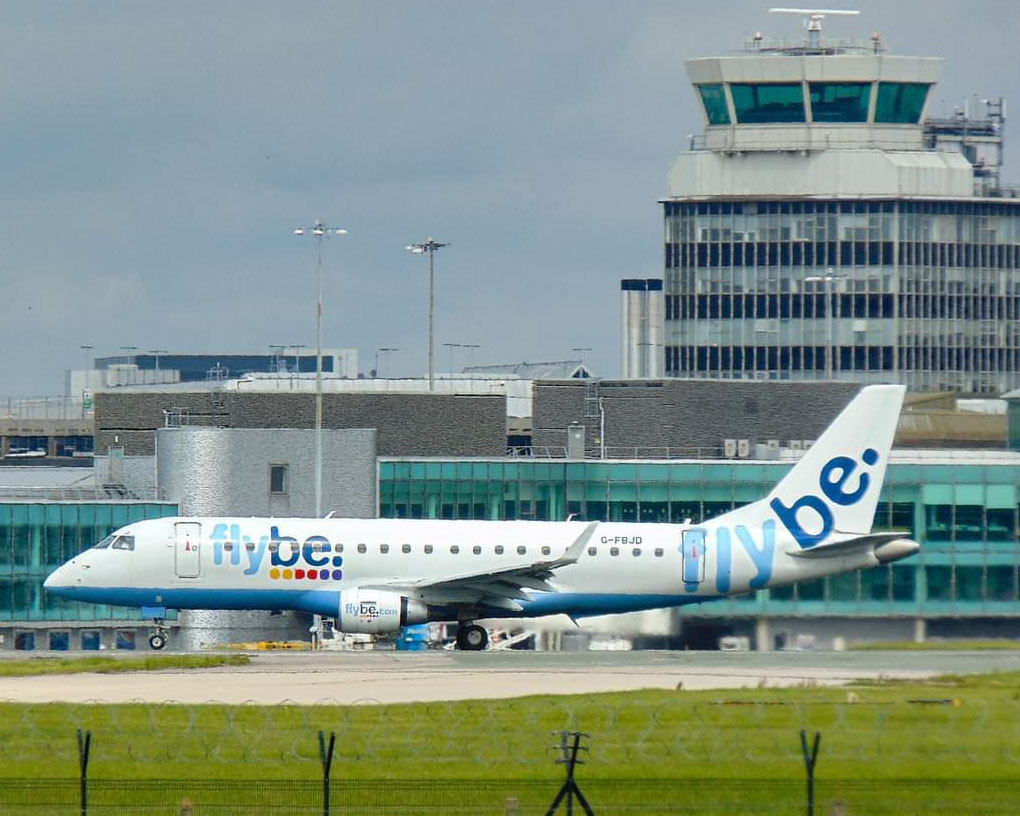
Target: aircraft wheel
(472,637)
(157,641)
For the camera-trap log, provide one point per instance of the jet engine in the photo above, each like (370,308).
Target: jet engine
(377,612)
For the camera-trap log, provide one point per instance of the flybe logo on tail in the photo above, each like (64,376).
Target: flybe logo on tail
(832,480)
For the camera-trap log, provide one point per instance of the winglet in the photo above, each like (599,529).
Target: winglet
(573,552)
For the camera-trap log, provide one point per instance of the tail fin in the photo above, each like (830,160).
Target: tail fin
(834,487)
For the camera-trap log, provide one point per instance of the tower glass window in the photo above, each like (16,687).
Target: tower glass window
(840,101)
(757,103)
(713,97)
(900,102)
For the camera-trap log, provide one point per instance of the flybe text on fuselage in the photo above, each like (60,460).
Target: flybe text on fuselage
(312,557)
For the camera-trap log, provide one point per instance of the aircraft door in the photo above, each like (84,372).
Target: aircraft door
(693,550)
(187,552)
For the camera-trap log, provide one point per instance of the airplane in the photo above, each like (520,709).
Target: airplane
(375,576)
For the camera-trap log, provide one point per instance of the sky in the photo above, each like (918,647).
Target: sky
(156,157)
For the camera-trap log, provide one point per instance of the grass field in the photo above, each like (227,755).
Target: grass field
(956,740)
(109,665)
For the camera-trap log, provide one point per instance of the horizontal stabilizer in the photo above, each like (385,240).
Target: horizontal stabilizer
(887,547)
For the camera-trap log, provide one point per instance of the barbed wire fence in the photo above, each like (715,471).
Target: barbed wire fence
(931,756)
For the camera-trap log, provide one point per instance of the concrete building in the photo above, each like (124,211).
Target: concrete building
(820,228)
(644,315)
(962,507)
(414,423)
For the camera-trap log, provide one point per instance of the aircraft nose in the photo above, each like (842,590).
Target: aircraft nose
(60,578)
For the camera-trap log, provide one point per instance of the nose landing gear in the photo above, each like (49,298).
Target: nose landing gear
(160,635)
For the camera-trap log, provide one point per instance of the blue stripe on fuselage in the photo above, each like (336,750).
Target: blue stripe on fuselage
(325,602)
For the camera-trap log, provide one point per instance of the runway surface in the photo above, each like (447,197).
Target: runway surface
(400,677)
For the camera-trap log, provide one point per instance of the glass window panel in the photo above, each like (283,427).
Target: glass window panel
(840,101)
(1001,583)
(714,100)
(900,102)
(969,522)
(1000,524)
(904,583)
(844,587)
(783,593)
(968,584)
(938,522)
(811,590)
(763,103)
(875,584)
(939,583)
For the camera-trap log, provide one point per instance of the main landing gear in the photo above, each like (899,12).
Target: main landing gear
(160,635)
(471,637)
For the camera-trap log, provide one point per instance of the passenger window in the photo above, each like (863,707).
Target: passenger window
(384,548)
(249,546)
(546,550)
(637,551)
(658,552)
(124,543)
(321,546)
(274,546)
(405,548)
(593,551)
(362,548)
(499,549)
(476,550)
(228,546)
(614,550)
(106,542)
(339,548)
(454,549)
(522,550)
(428,549)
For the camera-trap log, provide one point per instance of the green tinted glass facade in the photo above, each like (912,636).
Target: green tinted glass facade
(900,102)
(840,101)
(37,537)
(714,99)
(965,515)
(760,103)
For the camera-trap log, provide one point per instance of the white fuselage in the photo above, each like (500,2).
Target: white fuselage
(237,563)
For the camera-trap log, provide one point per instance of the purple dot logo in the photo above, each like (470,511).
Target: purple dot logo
(337,575)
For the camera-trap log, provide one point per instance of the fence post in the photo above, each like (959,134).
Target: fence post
(810,758)
(570,746)
(326,755)
(84,746)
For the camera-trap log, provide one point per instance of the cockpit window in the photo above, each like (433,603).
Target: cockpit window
(102,545)
(124,542)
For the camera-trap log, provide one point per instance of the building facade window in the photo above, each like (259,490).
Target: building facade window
(278,479)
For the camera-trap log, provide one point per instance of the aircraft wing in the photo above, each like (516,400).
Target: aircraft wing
(502,589)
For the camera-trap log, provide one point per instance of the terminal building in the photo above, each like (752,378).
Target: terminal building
(821,227)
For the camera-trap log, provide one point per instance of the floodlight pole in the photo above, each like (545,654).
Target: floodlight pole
(320,230)
(429,247)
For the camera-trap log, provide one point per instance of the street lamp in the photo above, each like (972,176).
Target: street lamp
(430,246)
(471,357)
(157,352)
(451,347)
(385,350)
(829,348)
(320,230)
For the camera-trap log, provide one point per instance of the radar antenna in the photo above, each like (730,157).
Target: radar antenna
(813,20)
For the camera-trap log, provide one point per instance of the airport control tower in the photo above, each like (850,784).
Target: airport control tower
(821,228)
